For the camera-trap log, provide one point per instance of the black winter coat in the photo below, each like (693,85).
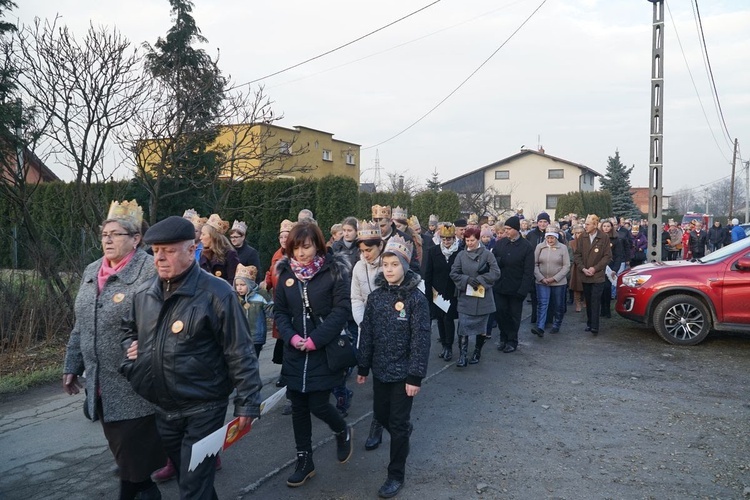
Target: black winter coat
(351,253)
(248,256)
(194,348)
(329,295)
(437,276)
(395,334)
(716,234)
(516,262)
(620,251)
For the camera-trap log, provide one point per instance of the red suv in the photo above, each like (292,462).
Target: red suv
(685,300)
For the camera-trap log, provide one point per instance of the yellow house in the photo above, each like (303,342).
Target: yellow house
(265,151)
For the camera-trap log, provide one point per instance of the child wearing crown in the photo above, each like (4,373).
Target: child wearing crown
(395,344)
(256,302)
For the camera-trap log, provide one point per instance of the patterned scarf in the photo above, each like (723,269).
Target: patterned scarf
(305,272)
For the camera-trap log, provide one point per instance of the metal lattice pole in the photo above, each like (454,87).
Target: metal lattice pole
(657,122)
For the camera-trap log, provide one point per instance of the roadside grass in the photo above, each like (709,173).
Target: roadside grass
(21,370)
(21,382)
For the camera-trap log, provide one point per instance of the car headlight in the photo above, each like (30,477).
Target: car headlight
(635,280)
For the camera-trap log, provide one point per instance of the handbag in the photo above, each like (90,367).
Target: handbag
(339,352)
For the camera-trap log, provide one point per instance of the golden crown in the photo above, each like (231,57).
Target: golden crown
(239,226)
(215,222)
(248,272)
(368,230)
(400,213)
(286,226)
(414,224)
(400,247)
(473,219)
(127,210)
(448,231)
(379,212)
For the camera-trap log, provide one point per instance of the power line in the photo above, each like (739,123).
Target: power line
(697,14)
(463,82)
(695,87)
(337,48)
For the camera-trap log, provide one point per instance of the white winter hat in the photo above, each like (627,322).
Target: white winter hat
(735,222)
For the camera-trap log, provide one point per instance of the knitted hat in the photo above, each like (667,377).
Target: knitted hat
(543,216)
(486,232)
(400,248)
(513,222)
(735,222)
(460,223)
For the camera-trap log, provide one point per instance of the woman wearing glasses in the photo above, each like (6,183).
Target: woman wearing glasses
(103,299)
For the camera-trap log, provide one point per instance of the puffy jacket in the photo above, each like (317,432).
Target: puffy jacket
(328,293)
(395,340)
(194,348)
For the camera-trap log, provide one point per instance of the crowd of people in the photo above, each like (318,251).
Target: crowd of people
(164,339)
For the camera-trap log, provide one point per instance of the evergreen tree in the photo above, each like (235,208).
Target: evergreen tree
(8,108)
(433,184)
(617,182)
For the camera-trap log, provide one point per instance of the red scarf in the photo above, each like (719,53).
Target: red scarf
(106,270)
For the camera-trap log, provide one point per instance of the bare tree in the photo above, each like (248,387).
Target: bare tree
(400,183)
(82,92)
(488,202)
(684,200)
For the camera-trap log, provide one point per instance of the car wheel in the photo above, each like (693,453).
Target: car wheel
(682,320)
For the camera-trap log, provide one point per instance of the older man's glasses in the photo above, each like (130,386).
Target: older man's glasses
(106,236)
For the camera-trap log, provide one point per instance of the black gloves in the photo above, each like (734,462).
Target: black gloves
(474,283)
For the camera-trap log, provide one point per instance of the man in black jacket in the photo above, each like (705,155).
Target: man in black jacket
(189,346)
(515,257)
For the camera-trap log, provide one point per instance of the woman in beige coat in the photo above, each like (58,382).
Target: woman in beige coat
(551,266)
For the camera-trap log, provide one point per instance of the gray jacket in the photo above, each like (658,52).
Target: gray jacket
(94,343)
(467,265)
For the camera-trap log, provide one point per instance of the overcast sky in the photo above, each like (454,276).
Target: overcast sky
(574,79)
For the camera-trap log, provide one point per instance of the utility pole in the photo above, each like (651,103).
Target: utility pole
(747,192)
(731,189)
(655,163)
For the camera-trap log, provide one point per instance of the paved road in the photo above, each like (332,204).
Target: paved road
(623,415)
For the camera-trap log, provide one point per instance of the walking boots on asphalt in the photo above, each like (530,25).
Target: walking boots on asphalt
(375,437)
(447,353)
(305,469)
(463,347)
(477,350)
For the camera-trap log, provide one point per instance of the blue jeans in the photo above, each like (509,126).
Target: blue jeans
(543,294)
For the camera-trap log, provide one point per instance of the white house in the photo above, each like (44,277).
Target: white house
(530,179)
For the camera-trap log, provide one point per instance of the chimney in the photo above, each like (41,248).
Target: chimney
(541,149)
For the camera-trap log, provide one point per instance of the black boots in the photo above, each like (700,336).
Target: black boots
(375,437)
(447,354)
(344,445)
(305,469)
(477,350)
(463,347)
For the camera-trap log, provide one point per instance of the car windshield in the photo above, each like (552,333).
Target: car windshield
(727,250)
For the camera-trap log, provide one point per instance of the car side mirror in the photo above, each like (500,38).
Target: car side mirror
(743,264)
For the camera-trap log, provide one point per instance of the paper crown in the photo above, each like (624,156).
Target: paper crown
(379,212)
(491,219)
(239,226)
(247,272)
(414,224)
(190,214)
(433,219)
(368,230)
(215,222)
(473,220)
(286,226)
(127,211)
(399,247)
(448,231)
(400,213)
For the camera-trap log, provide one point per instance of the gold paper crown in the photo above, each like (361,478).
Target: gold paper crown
(368,230)
(286,226)
(239,226)
(448,231)
(400,247)
(127,210)
(379,212)
(473,219)
(400,213)
(215,222)
(433,219)
(247,272)
(414,224)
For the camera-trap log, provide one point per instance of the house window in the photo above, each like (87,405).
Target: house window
(502,174)
(327,156)
(350,159)
(552,201)
(555,173)
(501,202)
(285,148)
